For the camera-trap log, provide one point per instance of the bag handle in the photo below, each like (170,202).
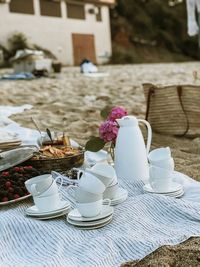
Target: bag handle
(179,92)
(151,93)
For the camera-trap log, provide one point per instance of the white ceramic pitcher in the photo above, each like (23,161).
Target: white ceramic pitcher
(130,151)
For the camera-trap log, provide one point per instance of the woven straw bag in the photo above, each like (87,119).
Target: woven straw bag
(174,109)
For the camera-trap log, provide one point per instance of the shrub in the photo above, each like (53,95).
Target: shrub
(16,42)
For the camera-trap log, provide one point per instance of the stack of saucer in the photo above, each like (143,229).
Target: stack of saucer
(46,197)
(120,196)
(88,223)
(9,140)
(176,190)
(161,174)
(63,209)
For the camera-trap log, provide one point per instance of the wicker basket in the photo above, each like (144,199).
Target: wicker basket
(56,164)
(173,109)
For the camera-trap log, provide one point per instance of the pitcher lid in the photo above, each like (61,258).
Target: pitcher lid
(128,121)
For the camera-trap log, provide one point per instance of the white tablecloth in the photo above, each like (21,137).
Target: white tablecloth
(140,225)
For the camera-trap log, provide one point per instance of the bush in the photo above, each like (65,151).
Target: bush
(6,55)
(155,20)
(17,41)
(122,56)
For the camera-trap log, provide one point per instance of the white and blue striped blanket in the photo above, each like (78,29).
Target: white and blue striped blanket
(140,225)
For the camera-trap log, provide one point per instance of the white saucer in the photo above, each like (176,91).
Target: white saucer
(33,211)
(173,194)
(120,197)
(92,223)
(178,195)
(47,217)
(174,188)
(76,216)
(94,227)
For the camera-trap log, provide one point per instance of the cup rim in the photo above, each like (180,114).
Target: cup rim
(98,173)
(42,197)
(110,186)
(151,153)
(34,179)
(83,189)
(89,203)
(160,160)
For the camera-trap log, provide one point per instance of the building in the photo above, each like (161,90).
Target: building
(71,30)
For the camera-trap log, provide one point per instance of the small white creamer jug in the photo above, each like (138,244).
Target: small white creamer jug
(130,152)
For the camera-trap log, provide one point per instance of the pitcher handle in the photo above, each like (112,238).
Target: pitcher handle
(149,136)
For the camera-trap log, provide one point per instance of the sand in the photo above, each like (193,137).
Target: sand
(71,102)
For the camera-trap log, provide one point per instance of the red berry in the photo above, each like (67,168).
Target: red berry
(11,189)
(4,199)
(17,169)
(5,173)
(16,196)
(30,167)
(8,184)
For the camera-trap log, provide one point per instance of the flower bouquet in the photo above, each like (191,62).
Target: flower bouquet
(108,130)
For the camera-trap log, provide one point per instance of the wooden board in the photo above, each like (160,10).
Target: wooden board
(83,47)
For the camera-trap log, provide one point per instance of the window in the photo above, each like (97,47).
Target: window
(21,6)
(98,14)
(50,8)
(75,11)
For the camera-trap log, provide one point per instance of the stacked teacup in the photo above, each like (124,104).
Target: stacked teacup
(46,196)
(112,191)
(161,171)
(92,210)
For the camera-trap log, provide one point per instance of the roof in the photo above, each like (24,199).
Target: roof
(101,2)
(24,54)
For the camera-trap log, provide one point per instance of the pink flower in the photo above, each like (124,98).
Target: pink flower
(117,113)
(108,131)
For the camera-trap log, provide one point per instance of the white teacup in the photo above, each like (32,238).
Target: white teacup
(161,157)
(47,203)
(159,154)
(111,191)
(105,172)
(160,179)
(167,164)
(91,209)
(81,196)
(91,183)
(39,184)
(105,180)
(53,189)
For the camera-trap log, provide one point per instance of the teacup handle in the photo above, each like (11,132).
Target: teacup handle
(107,200)
(80,172)
(61,182)
(70,197)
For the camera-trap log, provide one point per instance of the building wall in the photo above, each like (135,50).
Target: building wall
(55,33)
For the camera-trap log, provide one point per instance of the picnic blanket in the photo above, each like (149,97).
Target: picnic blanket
(141,224)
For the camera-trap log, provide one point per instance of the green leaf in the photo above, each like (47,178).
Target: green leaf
(105,112)
(94,144)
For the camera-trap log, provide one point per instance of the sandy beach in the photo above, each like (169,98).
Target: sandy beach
(71,102)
